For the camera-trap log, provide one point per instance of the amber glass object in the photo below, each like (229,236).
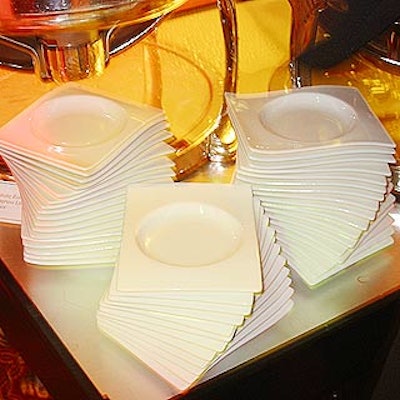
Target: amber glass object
(339,42)
(69,39)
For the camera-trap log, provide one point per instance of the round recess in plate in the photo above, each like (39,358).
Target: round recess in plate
(308,117)
(78,120)
(189,234)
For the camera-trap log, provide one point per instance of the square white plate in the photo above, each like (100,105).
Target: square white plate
(78,129)
(296,121)
(188,236)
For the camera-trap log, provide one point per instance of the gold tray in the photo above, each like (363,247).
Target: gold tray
(180,67)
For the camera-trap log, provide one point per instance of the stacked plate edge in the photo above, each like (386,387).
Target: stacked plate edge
(198,262)
(319,160)
(73,152)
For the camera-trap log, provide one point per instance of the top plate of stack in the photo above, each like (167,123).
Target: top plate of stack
(305,122)
(78,131)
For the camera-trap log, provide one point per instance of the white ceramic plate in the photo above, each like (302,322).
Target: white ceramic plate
(189,236)
(227,302)
(316,156)
(303,259)
(98,259)
(336,216)
(164,364)
(277,122)
(56,190)
(80,120)
(170,306)
(372,189)
(358,171)
(108,125)
(364,199)
(217,329)
(132,159)
(242,299)
(263,319)
(167,329)
(306,167)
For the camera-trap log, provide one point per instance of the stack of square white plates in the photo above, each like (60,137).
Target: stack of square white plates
(73,153)
(187,275)
(318,158)
(276,299)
